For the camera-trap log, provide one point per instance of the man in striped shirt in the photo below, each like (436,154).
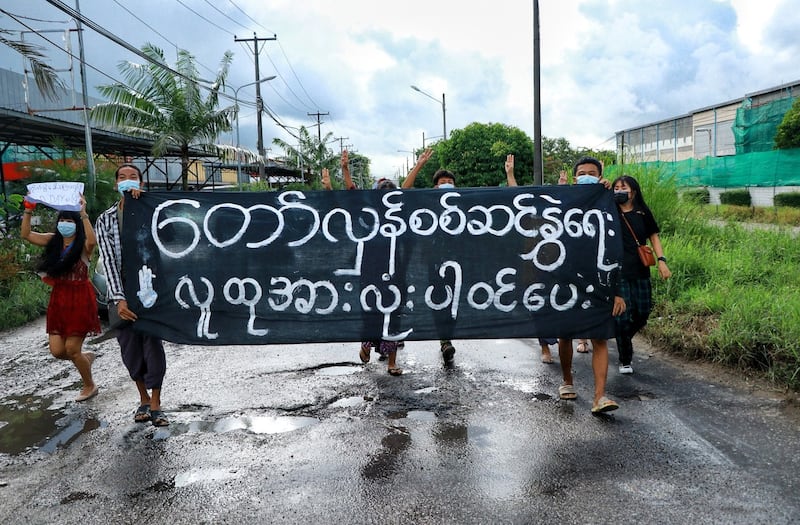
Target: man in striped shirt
(142,354)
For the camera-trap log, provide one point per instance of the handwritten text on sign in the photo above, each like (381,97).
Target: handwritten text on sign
(263,268)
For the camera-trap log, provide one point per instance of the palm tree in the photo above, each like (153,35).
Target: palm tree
(311,153)
(166,106)
(44,75)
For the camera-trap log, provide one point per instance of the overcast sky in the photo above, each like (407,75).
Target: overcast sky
(605,65)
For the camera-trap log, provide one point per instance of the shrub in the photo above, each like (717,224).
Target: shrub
(697,196)
(790,200)
(735,197)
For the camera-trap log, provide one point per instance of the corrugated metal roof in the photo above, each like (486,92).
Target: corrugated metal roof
(56,122)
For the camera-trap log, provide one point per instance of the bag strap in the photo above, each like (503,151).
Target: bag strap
(629,227)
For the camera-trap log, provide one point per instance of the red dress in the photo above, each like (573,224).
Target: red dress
(73,307)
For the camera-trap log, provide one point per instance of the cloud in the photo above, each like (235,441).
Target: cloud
(605,65)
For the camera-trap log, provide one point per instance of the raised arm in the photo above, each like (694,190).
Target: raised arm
(326,179)
(412,175)
(347,179)
(91,239)
(512,181)
(36,238)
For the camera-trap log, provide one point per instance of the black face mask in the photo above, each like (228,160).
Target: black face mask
(621,197)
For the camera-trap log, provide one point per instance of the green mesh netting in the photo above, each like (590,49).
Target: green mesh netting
(754,127)
(764,168)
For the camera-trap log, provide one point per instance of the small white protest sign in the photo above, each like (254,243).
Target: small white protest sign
(57,195)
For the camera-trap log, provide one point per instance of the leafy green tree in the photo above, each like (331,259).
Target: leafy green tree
(311,154)
(558,155)
(168,108)
(477,156)
(44,75)
(788,133)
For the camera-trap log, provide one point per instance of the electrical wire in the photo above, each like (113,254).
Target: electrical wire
(204,18)
(218,10)
(250,17)
(151,28)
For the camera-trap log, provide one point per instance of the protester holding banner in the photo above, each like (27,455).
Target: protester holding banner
(142,354)
(442,179)
(72,310)
(586,170)
(375,256)
(635,286)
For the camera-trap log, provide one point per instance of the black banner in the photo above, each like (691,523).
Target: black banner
(291,267)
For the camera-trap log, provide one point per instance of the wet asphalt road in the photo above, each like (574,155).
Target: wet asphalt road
(306,434)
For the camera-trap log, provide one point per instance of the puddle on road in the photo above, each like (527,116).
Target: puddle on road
(348,402)
(254,424)
(338,370)
(27,423)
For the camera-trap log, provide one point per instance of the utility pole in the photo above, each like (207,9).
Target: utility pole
(341,143)
(87,124)
(538,172)
(319,124)
(259,101)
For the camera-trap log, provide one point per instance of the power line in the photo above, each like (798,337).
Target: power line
(204,18)
(156,32)
(217,9)
(250,17)
(296,78)
(114,38)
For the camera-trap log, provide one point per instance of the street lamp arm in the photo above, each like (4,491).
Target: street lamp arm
(442,102)
(415,88)
(236,112)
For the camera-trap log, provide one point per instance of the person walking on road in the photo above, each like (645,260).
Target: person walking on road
(72,310)
(142,354)
(586,170)
(635,285)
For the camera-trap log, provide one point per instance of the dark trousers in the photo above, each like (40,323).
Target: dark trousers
(143,356)
(638,297)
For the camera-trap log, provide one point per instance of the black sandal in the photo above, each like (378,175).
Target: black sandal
(142,414)
(159,419)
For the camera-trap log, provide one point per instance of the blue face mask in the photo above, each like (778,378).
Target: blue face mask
(587,179)
(66,229)
(446,185)
(125,185)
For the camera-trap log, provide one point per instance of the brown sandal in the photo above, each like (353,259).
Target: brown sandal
(395,371)
(366,348)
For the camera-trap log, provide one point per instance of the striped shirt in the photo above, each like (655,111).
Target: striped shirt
(107,229)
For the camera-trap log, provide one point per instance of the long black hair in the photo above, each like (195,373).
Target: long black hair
(638,199)
(54,262)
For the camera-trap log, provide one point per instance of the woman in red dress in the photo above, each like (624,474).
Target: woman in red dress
(72,311)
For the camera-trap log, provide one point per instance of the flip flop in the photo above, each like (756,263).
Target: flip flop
(547,359)
(604,405)
(583,347)
(567,392)
(394,371)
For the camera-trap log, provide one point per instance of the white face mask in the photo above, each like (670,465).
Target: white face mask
(66,228)
(587,179)
(125,185)
(446,185)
